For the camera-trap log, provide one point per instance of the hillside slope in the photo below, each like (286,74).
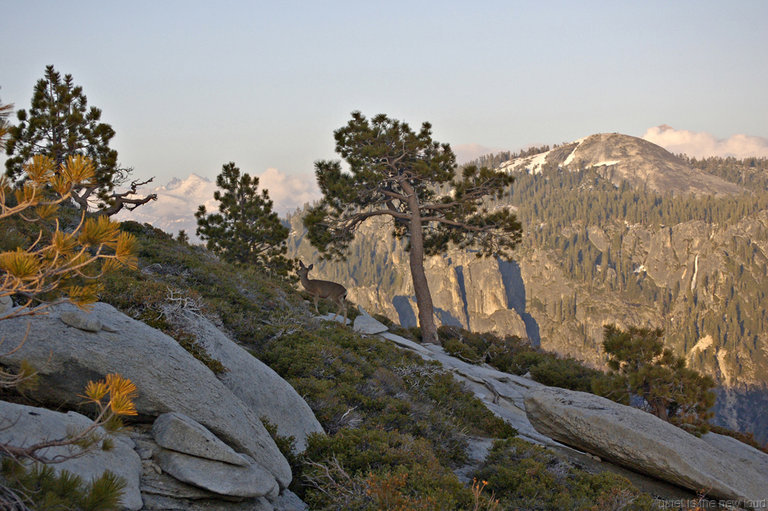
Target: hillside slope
(602,248)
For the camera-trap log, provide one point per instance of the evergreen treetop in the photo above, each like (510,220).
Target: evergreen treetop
(245,230)
(59,124)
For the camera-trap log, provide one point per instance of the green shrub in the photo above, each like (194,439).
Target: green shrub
(40,488)
(458,349)
(566,373)
(526,476)
(514,355)
(376,469)
(349,380)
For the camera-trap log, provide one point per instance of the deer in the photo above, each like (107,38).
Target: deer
(323,289)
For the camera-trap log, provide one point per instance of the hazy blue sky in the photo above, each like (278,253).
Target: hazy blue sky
(191,85)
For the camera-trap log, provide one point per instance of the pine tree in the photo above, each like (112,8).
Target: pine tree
(643,367)
(246,230)
(59,125)
(405,175)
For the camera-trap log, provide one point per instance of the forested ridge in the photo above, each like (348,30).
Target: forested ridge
(560,210)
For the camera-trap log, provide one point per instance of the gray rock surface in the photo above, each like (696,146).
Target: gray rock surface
(167,377)
(162,503)
(81,320)
(366,324)
(177,432)
(334,317)
(740,452)
(256,384)
(642,442)
(289,501)
(221,478)
(23,426)
(6,304)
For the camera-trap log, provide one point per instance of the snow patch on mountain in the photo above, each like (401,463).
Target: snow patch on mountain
(531,164)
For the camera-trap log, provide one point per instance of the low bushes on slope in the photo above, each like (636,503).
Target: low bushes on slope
(526,476)
(514,355)
(350,380)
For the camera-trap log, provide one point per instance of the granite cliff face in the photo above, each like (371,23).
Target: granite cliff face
(700,277)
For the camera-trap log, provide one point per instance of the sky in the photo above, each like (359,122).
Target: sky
(189,86)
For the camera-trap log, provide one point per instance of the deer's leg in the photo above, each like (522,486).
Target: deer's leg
(336,314)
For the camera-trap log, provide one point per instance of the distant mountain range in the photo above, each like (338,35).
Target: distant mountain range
(177,201)
(176,204)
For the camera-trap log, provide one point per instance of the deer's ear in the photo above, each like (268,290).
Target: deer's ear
(301,264)
(311,266)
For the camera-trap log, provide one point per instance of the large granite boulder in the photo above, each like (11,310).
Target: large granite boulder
(167,377)
(23,426)
(177,432)
(644,443)
(162,491)
(194,455)
(746,455)
(218,477)
(255,383)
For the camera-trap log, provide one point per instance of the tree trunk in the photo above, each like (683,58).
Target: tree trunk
(420,285)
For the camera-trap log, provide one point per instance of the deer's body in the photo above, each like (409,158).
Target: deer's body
(323,289)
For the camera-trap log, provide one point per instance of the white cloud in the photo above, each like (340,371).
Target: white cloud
(288,192)
(468,152)
(702,145)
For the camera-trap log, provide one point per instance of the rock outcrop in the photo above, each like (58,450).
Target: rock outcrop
(730,468)
(167,377)
(178,432)
(644,443)
(365,324)
(218,477)
(253,382)
(23,426)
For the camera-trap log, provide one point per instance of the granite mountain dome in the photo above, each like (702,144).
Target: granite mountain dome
(625,158)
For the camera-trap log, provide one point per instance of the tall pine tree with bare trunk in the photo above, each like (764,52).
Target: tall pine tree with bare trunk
(398,173)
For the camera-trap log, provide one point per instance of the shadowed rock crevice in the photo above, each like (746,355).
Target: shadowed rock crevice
(463,292)
(405,312)
(514,289)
